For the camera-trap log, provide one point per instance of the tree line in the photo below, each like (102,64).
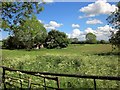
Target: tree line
(26,31)
(34,35)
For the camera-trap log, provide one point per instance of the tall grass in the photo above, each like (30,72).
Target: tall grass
(76,59)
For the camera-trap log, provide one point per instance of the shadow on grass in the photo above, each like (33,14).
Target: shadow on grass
(108,54)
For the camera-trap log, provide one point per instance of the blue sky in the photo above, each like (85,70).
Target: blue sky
(77,19)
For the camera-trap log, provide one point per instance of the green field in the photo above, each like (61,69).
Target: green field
(0,43)
(94,59)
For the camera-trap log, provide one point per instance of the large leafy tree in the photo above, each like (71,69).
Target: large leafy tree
(15,13)
(25,36)
(91,38)
(32,32)
(114,20)
(16,18)
(56,39)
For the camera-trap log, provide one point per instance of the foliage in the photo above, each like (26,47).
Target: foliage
(32,32)
(75,59)
(91,38)
(11,43)
(15,13)
(18,19)
(74,40)
(114,20)
(56,39)
(85,42)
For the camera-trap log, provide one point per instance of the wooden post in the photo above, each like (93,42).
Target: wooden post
(3,78)
(20,81)
(45,84)
(94,84)
(58,85)
(21,84)
(29,84)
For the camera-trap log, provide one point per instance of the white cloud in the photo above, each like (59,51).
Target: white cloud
(52,25)
(94,21)
(89,30)
(99,7)
(80,17)
(55,24)
(41,21)
(75,33)
(75,25)
(49,1)
(102,33)
(47,26)
(69,35)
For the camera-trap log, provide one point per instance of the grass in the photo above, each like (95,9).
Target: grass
(95,59)
(0,43)
(71,50)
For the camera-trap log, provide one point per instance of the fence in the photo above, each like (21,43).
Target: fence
(49,76)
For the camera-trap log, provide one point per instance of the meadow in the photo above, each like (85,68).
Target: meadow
(85,59)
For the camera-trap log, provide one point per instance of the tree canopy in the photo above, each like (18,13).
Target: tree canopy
(91,38)
(15,13)
(56,39)
(114,20)
(18,18)
(32,32)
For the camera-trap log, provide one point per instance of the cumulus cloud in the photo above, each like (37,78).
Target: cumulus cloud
(55,24)
(75,25)
(89,30)
(94,21)
(41,21)
(47,1)
(52,25)
(102,33)
(75,33)
(99,7)
(69,35)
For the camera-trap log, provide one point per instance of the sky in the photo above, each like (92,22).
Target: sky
(77,19)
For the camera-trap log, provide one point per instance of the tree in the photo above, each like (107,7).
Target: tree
(91,38)
(32,32)
(56,39)
(15,17)
(103,42)
(114,20)
(74,40)
(15,13)
(12,43)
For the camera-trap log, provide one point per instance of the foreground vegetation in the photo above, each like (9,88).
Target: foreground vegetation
(95,59)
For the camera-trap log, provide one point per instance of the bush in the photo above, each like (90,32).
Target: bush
(56,39)
(12,43)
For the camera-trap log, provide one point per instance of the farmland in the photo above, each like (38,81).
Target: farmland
(85,59)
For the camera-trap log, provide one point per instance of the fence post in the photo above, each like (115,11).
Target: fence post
(45,84)
(20,80)
(3,78)
(57,82)
(94,84)
(29,84)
